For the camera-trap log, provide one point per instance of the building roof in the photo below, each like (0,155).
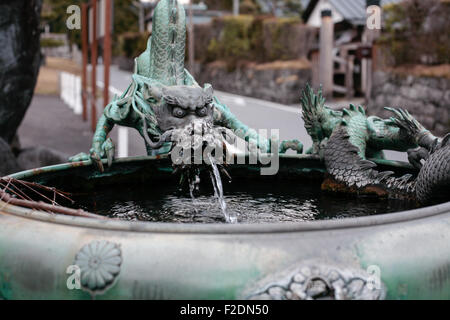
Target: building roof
(353,11)
(266,6)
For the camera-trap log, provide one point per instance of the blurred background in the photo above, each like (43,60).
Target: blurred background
(62,60)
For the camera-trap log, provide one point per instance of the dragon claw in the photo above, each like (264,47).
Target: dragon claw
(416,155)
(295,145)
(406,122)
(108,147)
(110,157)
(97,161)
(99,151)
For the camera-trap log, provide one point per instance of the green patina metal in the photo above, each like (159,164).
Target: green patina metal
(142,260)
(163,95)
(425,274)
(164,102)
(345,139)
(219,261)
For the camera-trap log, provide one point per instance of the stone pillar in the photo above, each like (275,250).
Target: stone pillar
(326,53)
(235,7)
(367,64)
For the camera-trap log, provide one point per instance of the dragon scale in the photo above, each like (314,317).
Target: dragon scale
(346,138)
(168,43)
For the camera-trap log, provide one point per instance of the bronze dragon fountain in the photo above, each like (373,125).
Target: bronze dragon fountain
(165,104)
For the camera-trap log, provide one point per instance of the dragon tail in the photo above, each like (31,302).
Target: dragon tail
(168,43)
(312,108)
(345,165)
(433,180)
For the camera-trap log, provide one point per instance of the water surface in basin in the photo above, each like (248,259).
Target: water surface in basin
(251,202)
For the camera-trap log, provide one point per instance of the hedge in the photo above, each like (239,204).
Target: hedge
(253,38)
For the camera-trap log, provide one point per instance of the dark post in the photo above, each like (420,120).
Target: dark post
(84,47)
(107,52)
(20,60)
(94,66)
(367,66)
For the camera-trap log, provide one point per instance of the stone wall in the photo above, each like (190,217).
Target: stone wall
(279,81)
(426,98)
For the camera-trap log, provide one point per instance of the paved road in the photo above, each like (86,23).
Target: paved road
(258,114)
(50,123)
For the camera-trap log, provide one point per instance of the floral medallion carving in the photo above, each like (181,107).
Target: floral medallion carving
(99,262)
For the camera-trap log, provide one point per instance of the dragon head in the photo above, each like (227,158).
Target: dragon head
(176,109)
(184,116)
(177,106)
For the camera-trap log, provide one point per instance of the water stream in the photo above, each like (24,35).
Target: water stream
(218,191)
(192,187)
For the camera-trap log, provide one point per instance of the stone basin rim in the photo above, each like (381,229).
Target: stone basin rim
(213,228)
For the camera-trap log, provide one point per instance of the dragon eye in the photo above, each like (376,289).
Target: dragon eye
(201,112)
(178,112)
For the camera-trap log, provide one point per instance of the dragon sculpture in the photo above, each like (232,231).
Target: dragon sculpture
(346,138)
(164,102)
